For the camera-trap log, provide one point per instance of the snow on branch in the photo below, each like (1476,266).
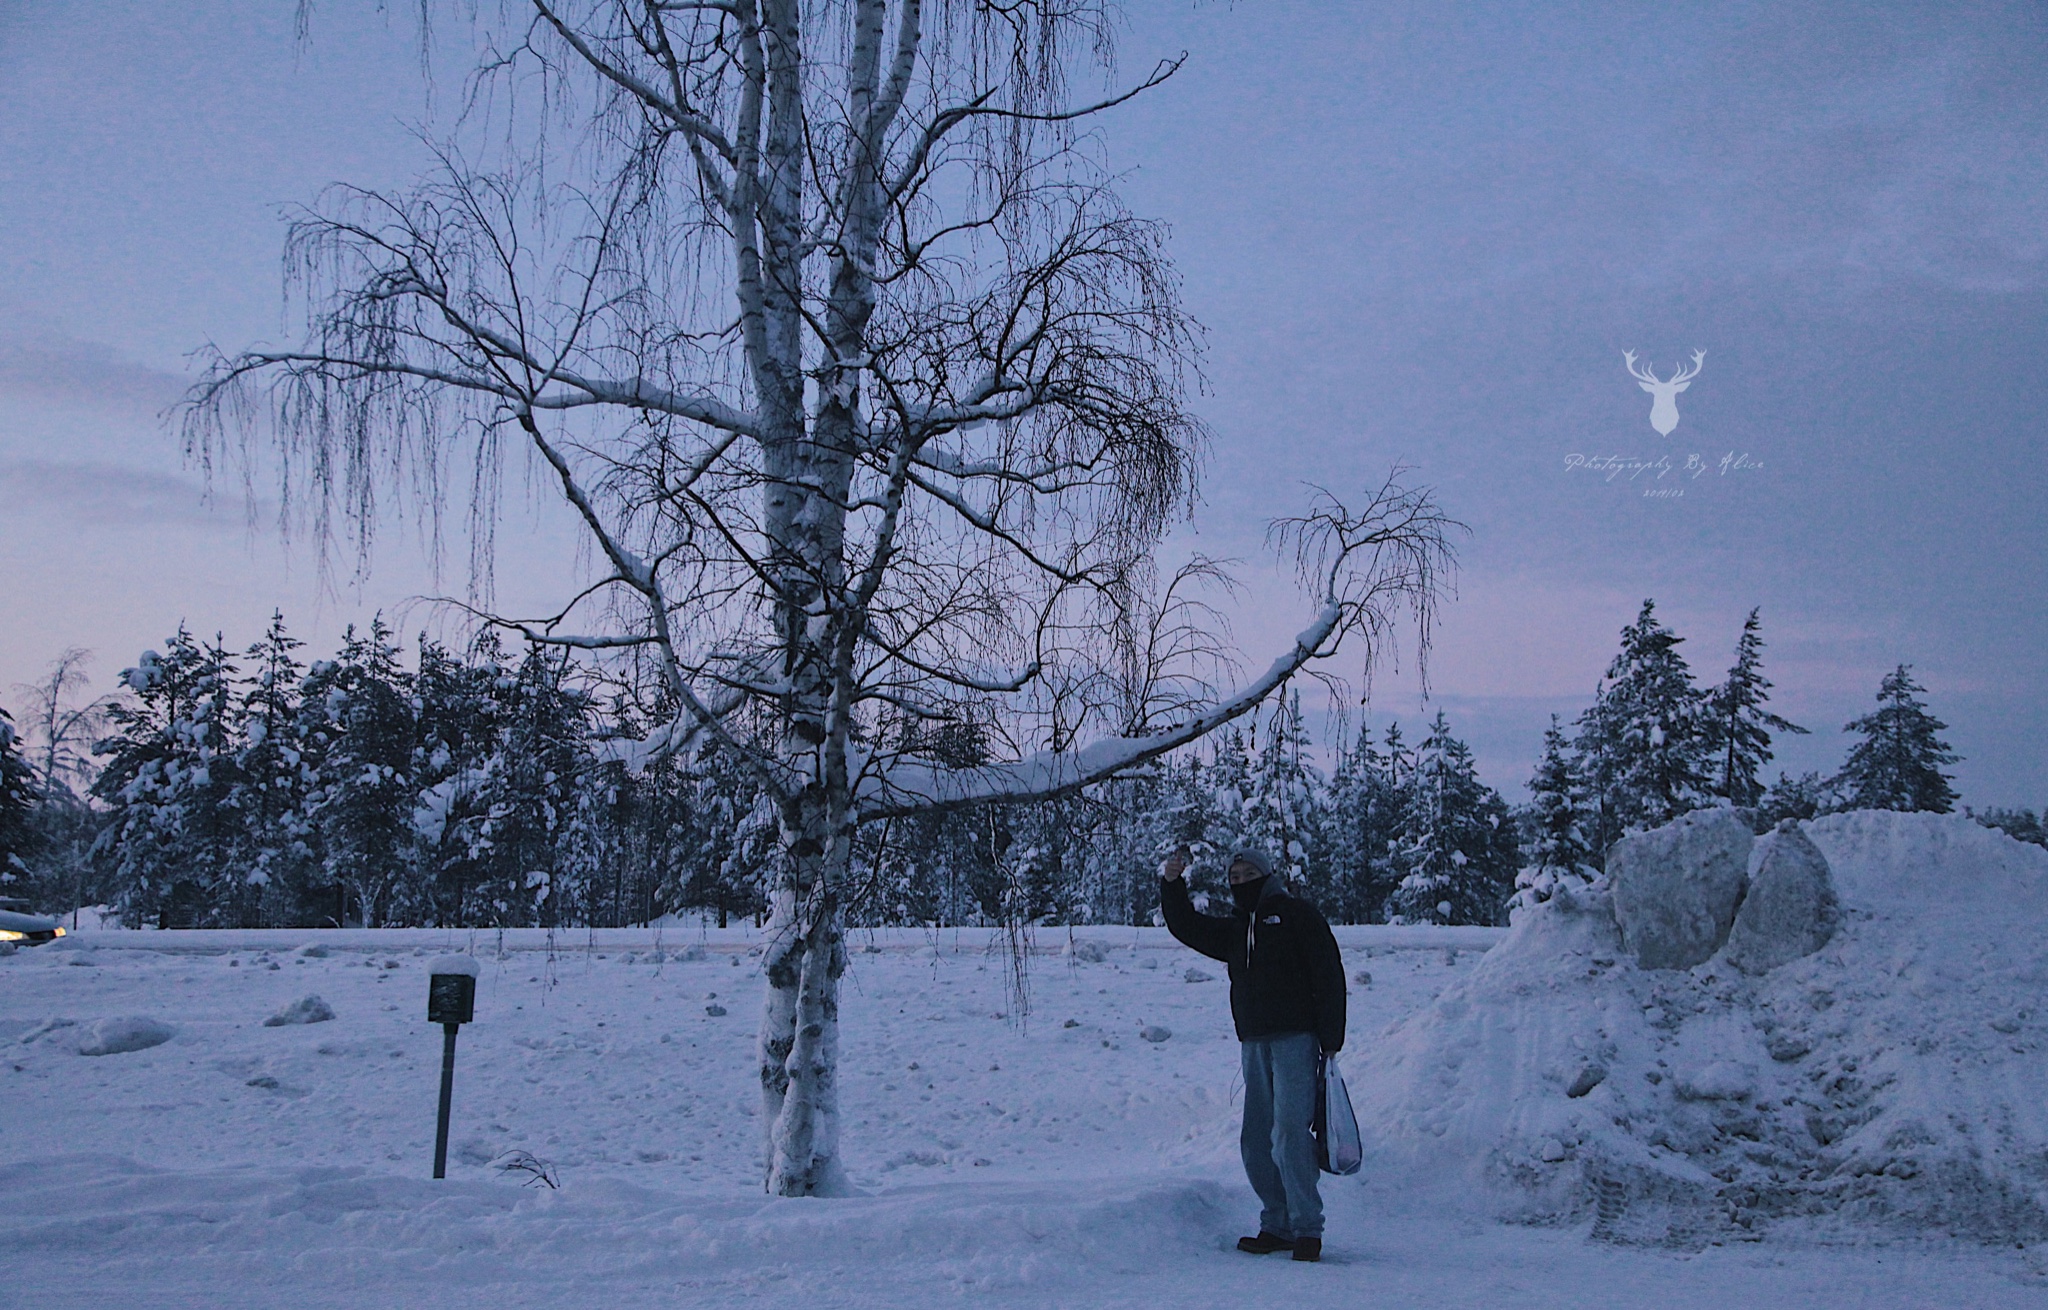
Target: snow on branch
(1369,567)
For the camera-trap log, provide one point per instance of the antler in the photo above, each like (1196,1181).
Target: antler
(1685,374)
(1646,373)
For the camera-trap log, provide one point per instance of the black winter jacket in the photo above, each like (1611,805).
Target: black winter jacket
(1286,975)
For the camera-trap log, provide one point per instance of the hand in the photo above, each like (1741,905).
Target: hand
(1176,865)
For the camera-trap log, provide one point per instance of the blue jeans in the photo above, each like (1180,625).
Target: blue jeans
(1278,1140)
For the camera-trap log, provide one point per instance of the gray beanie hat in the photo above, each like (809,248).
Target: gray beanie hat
(1258,859)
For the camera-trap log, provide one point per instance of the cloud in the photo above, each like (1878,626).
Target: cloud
(70,371)
(105,495)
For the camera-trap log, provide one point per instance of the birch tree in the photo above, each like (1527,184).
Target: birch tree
(826,323)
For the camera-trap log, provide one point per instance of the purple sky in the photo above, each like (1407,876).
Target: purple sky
(1416,234)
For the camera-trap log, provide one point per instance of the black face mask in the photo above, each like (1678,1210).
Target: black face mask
(1246,894)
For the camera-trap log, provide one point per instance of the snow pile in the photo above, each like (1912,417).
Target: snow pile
(1676,888)
(120,1036)
(1892,1076)
(307,1009)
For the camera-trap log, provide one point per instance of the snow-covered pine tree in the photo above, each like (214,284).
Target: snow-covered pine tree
(605,847)
(1802,797)
(461,707)
(1558,853)
(1737,726)
(19,796)
(1229,787)
(1897,765)
(362,800)
(1132,822)
(1398,758)
(527,793)
(2020,825)
(1387,867)
(1339,839)
(728,850)
(1457,848)
(1044,861)
(274,849)
(1281,809)
(1641,742)
(168,785)
(1361,817)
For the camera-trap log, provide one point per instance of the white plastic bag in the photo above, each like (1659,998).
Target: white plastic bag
(1338,1148)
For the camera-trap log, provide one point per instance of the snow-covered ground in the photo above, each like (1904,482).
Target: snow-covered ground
(1052,1160)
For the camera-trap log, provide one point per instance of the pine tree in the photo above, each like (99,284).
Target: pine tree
(1043,860)
(2020,825)
(1559,854)
(1738,727)
(1457,849)
(19,797)
(274,844)
(461,704)
(1229,779)
(1280,812)
(361,800)
(1399,760)
(1803,797)
(527,795)
(169,786)
(1362,817)
(1897,765)
(1642,742)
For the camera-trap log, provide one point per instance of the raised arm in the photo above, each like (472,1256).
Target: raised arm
(1206,933)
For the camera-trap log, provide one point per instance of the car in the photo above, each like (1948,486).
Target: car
(18,928)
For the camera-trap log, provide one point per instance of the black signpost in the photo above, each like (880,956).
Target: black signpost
(451,1002)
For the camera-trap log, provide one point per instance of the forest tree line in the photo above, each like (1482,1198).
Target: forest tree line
(488,787)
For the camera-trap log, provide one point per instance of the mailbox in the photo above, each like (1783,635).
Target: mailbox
(451,1002)
(451,998)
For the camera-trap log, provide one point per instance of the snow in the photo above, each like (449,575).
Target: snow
(1790,909)
(1045,772)
(1887,1084)
(121,1036)
(307,1009)
(1053,1159)
(1676,888)
(463,965)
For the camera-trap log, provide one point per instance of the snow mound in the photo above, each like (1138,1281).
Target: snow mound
(1789,909)
(1676,888)
(1891,1077)
(120,1036)
(307,1009)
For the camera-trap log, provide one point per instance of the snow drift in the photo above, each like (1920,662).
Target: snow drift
(1890,1077)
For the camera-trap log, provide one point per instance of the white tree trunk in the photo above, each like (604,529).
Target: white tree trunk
(799,1041)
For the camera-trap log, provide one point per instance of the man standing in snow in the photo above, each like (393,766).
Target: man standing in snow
(1287,999)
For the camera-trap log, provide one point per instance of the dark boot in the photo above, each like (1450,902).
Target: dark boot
(1264,1244)
(1308,1248)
